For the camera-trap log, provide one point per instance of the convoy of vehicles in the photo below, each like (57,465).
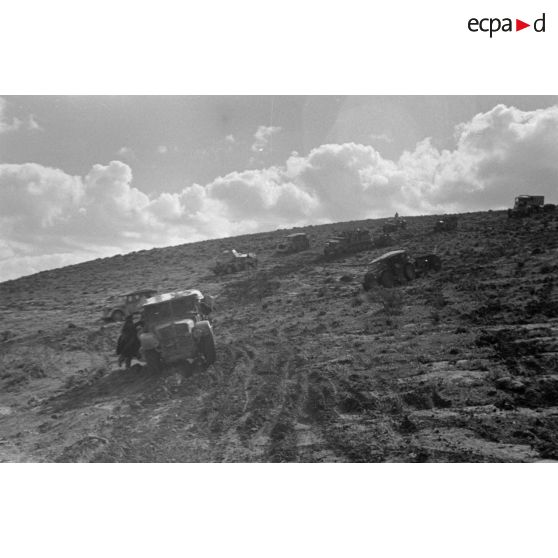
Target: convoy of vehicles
(175,327)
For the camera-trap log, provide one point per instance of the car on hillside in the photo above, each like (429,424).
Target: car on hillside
(126,305)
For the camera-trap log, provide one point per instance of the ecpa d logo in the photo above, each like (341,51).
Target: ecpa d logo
(492,25)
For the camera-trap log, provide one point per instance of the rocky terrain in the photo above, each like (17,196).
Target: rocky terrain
(456,366)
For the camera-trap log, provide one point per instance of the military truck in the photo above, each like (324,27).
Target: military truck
(348,242)
(526,205)
(230,261)
(394,225)
(448,223)
(176,329)
(127,304)
(398,267)
(296,242)
(382,240)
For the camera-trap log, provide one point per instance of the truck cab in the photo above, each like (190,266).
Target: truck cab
(174,329)
(526,204)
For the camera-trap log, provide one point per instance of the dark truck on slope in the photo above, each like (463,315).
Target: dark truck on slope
(296,242)
(526,205)
(231,261)
(348,242)
(448,223)
(398,267)
(176,329)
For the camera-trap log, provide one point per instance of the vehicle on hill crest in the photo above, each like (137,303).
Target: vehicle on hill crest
(526,205)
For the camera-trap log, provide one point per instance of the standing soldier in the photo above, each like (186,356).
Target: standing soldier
(128,344)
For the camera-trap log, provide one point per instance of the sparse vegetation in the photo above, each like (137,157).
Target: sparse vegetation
(447,367)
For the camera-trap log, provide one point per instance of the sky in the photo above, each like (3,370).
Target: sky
(83,177)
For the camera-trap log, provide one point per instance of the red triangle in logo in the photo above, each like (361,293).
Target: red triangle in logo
(519,25)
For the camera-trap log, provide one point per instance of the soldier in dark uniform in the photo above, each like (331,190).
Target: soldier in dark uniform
(128,344)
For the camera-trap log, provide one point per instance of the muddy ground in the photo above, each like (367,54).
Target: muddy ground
(457,366)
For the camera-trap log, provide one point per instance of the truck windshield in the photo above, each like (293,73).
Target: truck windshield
(181,307)
(158,312)
(174,309)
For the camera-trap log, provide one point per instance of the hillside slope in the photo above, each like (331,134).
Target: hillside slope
(455,366)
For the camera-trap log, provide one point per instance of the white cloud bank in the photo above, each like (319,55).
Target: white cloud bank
(49,218)
(13,124)
(7,124)
(263,136)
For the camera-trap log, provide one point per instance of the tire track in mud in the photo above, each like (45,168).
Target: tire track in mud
(267,396)
(268,385)
(183,418)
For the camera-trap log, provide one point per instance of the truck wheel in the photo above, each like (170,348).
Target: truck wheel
(153,360)
(435,263)
(386,279)
(409,271)
(207,347)
(368,282)
(117,316)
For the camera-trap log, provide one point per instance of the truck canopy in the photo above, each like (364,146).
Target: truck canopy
(144,292)
(171,307)
(537,200)
(388,255)
(192,294)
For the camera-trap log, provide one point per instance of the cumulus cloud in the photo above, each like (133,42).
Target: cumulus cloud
(7,124)
(13,124)
(263,136)
(46,215)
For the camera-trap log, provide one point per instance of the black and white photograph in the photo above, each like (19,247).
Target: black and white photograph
(348,279)
(278,279)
